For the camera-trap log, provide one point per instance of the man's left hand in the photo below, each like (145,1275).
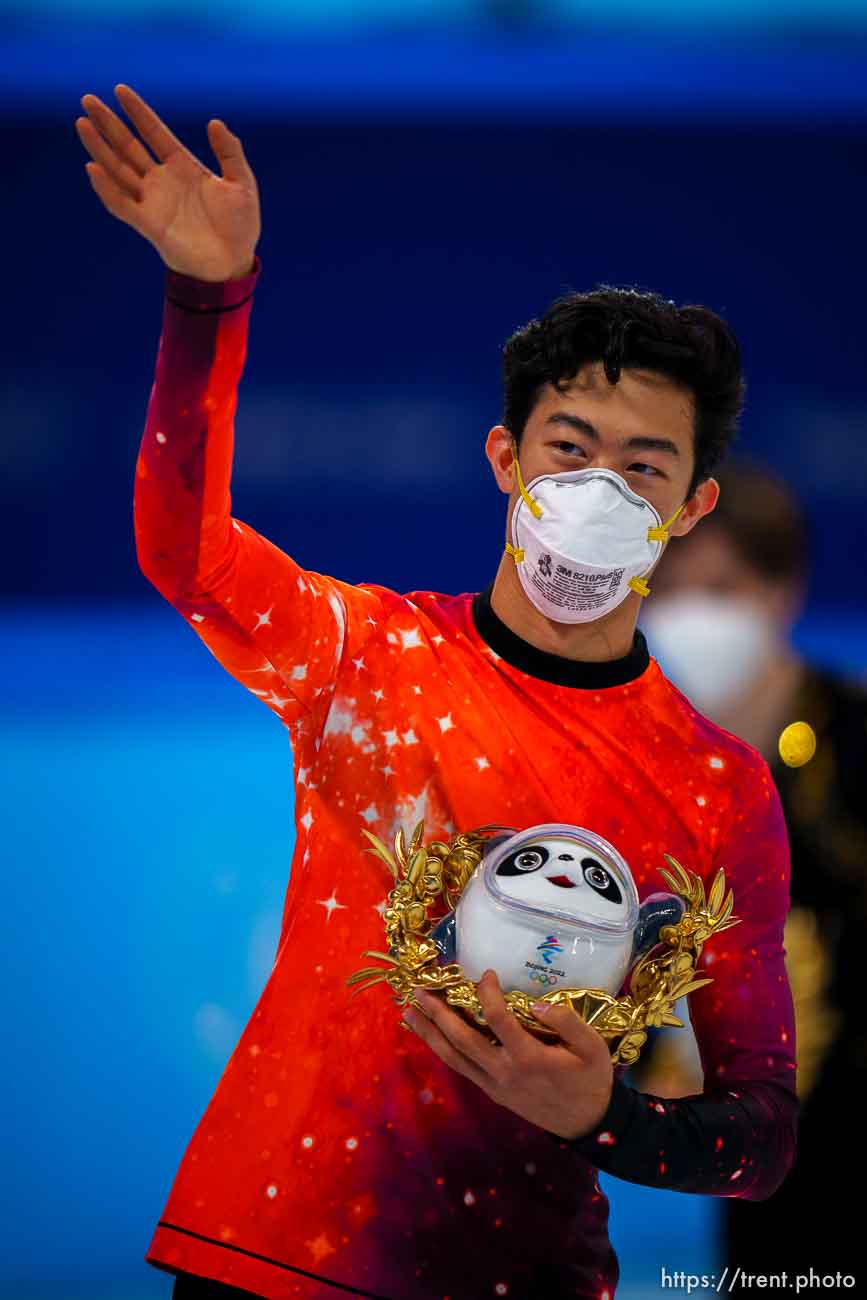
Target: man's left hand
(563,1087)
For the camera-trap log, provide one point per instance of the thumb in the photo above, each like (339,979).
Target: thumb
(229,152)
(581,1039)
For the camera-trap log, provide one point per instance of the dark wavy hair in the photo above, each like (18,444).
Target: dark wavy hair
(623,328)
(763,520)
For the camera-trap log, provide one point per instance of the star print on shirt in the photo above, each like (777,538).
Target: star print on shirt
(275,699)
(263,619)
(330,904)
(320,1247)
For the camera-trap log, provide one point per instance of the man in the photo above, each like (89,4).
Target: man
(720,619)
(340,1154)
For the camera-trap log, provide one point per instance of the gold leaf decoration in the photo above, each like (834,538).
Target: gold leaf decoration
(439,873)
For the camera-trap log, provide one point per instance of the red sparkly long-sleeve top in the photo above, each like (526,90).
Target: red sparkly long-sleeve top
(338,1154)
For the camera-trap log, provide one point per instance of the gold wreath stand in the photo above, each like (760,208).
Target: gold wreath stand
(439,873)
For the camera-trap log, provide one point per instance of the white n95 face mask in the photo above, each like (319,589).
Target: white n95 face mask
(581,541)
(711,646)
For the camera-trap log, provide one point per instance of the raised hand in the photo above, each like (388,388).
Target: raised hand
(201,224)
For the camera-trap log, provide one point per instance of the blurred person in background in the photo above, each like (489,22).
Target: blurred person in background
(720,621)
(338,1154)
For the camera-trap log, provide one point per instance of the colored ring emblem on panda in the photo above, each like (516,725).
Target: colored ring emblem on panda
(542,977)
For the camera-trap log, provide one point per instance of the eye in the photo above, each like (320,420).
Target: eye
(567,447)
(596,876)
(529,860)
(601,880)
(640,468)
(523,860)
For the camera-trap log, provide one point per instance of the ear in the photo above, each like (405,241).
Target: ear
(498,449)
(701,503)
(444,936)
(657,910)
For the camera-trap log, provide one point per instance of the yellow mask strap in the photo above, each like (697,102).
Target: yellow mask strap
(534,506)
(660,534)
(517,551)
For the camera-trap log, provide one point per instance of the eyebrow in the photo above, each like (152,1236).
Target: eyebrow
(590,431)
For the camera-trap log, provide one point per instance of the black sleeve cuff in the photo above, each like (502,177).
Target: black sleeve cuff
(723,1143)
(610,1128)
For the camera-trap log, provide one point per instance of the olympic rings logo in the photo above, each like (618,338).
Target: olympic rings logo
(542,977)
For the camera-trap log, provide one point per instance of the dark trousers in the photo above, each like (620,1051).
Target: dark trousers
(189,1287)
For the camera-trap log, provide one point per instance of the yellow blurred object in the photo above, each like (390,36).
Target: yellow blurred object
(809,966)
(797,744)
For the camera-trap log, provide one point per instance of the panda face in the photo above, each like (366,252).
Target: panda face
(565,874)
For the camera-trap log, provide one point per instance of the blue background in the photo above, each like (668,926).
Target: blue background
(429,181)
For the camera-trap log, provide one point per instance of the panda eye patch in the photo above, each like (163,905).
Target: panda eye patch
(523,860)
(600,880)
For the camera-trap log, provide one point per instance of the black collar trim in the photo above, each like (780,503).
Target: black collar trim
(550,667)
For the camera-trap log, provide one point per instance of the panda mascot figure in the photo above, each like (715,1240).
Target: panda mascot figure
(553,905)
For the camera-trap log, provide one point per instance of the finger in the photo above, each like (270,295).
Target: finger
(229,152)
(511,1034)
(118,134)
(438,1043)
(470,1042)
(152,129)
(581,1039)
(116,200)
(124,177)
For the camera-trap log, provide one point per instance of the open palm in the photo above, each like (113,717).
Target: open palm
(202,224)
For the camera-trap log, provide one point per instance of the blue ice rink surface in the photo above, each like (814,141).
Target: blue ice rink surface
(148,819)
